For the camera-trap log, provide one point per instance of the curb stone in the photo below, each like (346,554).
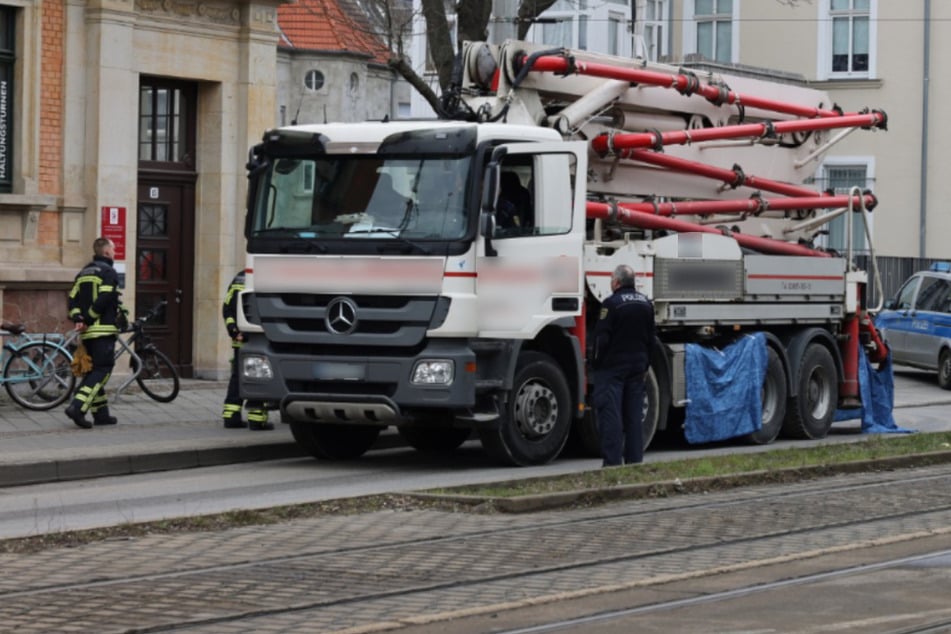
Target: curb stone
(560,499)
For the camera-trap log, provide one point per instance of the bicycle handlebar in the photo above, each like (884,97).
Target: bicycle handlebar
(152,314)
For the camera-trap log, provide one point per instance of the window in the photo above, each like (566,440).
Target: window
(559,32)
(933,295)
(530,205)
(710,29)
(7,59)
(655,18)
(614,33)
(841,177)
(314,80)
(906,294)
(847,38)
(165,107)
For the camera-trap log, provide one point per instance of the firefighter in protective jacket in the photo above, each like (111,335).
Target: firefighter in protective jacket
(95,308)
(257,415)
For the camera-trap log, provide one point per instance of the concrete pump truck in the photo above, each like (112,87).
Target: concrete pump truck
(441,276)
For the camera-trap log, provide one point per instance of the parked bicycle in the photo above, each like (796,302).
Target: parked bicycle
(151,368)
(36,368)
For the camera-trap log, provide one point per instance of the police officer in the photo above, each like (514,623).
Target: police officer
(257,416)
(622,342)
(95,309)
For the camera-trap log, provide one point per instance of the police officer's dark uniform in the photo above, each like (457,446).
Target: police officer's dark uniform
(94,301)
(622,341)
(257,416)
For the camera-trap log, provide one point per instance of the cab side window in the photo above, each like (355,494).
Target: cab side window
(515,213)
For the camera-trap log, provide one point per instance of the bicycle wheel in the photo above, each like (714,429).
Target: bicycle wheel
(158,377)
(38,376)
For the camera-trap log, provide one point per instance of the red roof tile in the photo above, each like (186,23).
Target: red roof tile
(323,25)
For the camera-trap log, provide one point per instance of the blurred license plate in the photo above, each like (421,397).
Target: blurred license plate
(338,371)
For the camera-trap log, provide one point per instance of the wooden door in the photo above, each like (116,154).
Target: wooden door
(164,264)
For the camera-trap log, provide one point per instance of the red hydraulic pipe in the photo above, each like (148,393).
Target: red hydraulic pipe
(746,205)
(734,178)
(849,386)
(606,211)
(684,84)
(606,143)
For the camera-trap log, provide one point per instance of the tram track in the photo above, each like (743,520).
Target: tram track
(379,569)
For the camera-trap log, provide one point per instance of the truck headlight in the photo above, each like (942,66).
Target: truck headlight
(433,372)
(255,366)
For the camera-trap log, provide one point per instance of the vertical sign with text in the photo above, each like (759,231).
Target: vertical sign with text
(6,129)
(8,18)
(113,227)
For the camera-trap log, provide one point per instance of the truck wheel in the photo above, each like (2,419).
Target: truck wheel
(810,413)
(585,440)
(535,422)
(944,369)
(334,442)
(434,440)
(652,409)
(774,396)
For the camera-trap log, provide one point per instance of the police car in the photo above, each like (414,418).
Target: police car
(916,324)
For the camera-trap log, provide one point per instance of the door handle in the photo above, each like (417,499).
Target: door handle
(178,296)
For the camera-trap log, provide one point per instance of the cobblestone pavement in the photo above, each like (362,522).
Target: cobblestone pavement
(389,569)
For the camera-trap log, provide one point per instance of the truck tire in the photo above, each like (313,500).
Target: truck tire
(774,396)
(536,419)
(810,413)
(434,440)
(944,369)
(334,442)
(585,440)
(652,407)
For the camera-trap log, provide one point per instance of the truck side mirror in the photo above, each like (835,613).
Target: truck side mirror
(490,194)
(889,304)
(487,220)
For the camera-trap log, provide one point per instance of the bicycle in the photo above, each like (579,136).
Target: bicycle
(36,372)
(151,368)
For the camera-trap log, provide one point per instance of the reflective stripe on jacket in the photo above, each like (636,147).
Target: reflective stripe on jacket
(95,298)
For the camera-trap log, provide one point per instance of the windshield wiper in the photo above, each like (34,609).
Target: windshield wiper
(393,233)
(299,242)
(305,245)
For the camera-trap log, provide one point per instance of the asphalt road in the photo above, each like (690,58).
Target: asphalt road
(72,505)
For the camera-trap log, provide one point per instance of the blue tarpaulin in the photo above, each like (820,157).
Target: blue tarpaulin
(724,389)
(877,391)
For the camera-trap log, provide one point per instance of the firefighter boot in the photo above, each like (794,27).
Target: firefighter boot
(234,421)
(232,416)
(77,416)
(257,420)
(101,417)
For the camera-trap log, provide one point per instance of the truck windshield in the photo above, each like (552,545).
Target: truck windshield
(362,197)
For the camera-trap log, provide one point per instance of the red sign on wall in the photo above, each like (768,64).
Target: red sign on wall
(113,227)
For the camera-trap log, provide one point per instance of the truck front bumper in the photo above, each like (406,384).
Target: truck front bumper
(373,389)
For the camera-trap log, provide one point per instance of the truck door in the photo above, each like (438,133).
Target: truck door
(531,257)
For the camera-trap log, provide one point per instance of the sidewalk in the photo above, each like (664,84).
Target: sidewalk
(47,447)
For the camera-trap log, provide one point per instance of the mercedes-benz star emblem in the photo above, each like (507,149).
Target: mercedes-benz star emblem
(341,316)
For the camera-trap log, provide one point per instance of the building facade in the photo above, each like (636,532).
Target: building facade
(332,66)
(132,119)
